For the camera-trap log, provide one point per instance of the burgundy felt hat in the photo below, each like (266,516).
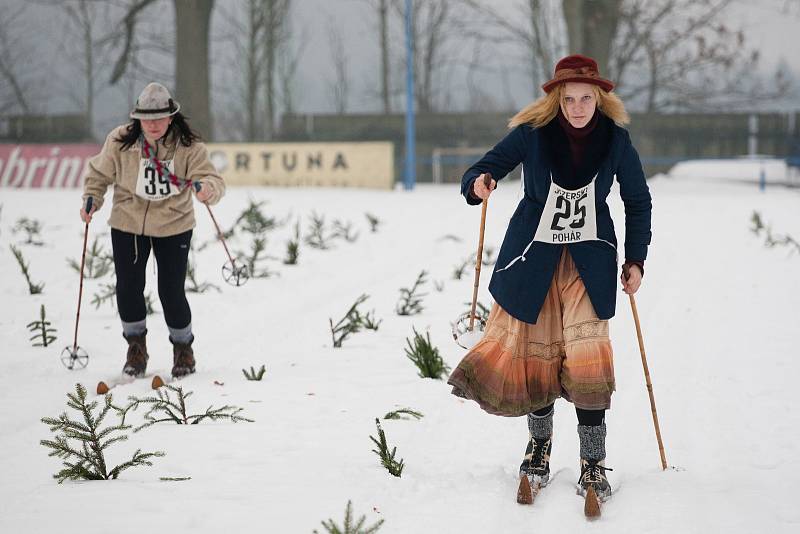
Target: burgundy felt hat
(577,68)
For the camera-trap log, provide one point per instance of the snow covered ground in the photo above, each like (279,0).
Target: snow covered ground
(719,314)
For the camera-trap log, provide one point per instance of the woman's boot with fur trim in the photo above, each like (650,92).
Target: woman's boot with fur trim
(136,360)
(182,358)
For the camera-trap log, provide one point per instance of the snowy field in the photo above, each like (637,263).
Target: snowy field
(720,320)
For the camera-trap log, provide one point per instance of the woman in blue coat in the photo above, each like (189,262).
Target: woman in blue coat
(554,283)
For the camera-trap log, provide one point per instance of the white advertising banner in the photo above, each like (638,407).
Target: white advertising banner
(368,165)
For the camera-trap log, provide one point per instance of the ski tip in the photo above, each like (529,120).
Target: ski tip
(102,388)
(591,507)
(524,493)
(157,382)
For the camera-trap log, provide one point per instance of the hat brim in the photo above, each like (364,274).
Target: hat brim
(144,115)
(604,84)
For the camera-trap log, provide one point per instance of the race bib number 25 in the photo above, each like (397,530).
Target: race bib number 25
(568,216)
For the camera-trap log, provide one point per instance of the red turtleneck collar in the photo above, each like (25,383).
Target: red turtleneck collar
(578,137)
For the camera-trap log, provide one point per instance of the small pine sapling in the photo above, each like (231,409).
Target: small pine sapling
(757,222)
(461,268)
(369,322)
(253,374)
(426,357)
(771,240)
(488,256)
(349,324)
(451,237)
(165,409)
(41,330)
(344,231)
(98,262)
(33,288)
(253,221)
(410,302)
(32,227)
(317,236)
(109,291)
(373,221)
(106,294)
(293,247)
(785,240)
(387,457)
(256,256)
(349,527)
(87,461)
(481,311)
(438,285)
(404,413)
(192,285)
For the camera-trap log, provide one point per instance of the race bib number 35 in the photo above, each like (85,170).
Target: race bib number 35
(150,185)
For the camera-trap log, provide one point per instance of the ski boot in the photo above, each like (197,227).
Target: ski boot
(136,361)
(182,358)
(536,464)
(593,474)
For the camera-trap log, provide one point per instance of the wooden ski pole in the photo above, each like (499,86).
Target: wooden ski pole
(80,287)
(647,377)
(487,181)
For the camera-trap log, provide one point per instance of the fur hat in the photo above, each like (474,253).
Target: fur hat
(577,68)
(154,102)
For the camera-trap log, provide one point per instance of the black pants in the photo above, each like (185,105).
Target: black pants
(130,261)
(585,417)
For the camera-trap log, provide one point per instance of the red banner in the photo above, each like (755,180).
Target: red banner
(37,166)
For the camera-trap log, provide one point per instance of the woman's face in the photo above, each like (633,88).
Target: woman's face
(156,128)
(578,103)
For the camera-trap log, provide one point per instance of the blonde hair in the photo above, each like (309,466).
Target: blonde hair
(543,110)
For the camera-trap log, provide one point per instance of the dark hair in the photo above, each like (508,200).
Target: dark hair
(178,130)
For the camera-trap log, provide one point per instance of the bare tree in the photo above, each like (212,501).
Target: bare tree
(192,80)
(11,59)
(192,24)
(276,32)
(383,17)
(87,18)
(289,56)
(263,62)
(591,27)
(254,63)
(340,83)
(533,26)
(246,25)
(692,59)
(381,11)
(433,25)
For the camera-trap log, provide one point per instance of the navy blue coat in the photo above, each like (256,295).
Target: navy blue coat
(522,288)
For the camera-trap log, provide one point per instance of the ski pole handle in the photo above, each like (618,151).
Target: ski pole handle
(197,186)
(89,202)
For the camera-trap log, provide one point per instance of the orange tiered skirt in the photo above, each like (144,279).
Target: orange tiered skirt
(518,368)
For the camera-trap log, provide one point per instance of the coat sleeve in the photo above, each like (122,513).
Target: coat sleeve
(499,161)
(201,169)
(101,172)
(638,204)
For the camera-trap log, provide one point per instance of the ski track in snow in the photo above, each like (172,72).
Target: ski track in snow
(718,311)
